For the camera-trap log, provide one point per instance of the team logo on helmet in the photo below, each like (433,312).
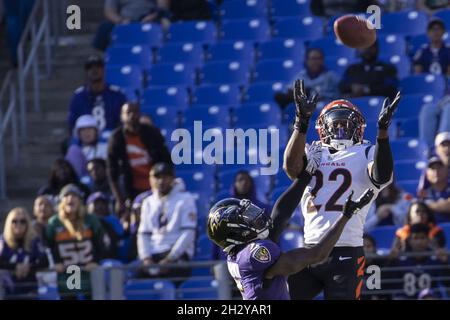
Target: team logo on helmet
(214,220)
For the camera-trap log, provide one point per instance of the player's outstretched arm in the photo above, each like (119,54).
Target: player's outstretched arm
(304,108)
(295,260)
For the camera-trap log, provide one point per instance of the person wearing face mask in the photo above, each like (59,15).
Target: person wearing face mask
(370,77)
(42,211)
(74,238)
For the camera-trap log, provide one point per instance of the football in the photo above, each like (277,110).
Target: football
(354,31)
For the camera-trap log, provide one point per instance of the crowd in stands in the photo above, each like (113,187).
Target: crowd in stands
(114,193)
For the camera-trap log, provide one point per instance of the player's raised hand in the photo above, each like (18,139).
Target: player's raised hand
(314,157)
(304,106)
(385,117)
(351,207)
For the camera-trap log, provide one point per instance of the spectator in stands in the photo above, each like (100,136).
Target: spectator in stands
(168,225)
(98,180)
(244,188)
(125,11)
(372,258)
(329,8)
(419,212)
(433,57)
(431,6)
(370,77)
(98,204)
(21,252)
(133,148)
(189,10)
(86,145)
(316,78)
(390,208)
(437,194)
(97,98)
(62,173)
(72,229)
(42,211)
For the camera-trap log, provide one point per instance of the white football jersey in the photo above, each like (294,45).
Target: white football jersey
(323,199)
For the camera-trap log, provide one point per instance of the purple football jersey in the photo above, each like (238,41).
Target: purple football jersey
(248,268)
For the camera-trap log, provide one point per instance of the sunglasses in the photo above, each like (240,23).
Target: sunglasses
(20,221)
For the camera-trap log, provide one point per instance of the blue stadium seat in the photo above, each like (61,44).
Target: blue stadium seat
(203,32)
(369,106)
(163,116)
(177,74)
(370,132)
(384,236)
(282,180)
(256,30)
(332,47)
(416,42)
(291,239)
(199,289)
(409,149)
(409,186)
(282,49)
(217,94)
(149,290)
(339,64)
(402,65)
(242,51)
(227,72)
(128,76)
(404,23)
(263,92)
(211,116)
(203,248)
(286,8)
(169,96)
(138,34)
(188,53)
(406,127)
(262,182)
(140,55)
(276,70)
(259,114)
(408,170)
(423,83)
(410,105)
(306,28)
(444,15)
(243,9)
(199,181)
(391,44)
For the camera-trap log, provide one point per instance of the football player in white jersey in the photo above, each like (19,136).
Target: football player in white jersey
(348,163)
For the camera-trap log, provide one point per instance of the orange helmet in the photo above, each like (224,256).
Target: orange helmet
(340,124)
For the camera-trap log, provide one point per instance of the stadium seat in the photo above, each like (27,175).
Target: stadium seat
(170,96)
(149,34)
(140,55)
(263,92)
(262,182)
(339,64)
(384,236)
(282,180)
(203,32)
(276,70)
(391,44)
(149,290)
(332,47)
(228,72)
(248,9)
(409,186)
(409,149)
(406,128)
(163,116)
(305,28)
(444,15)
(291,240)
(369,106)
(216,94)
(127,76)
(402,64)
(408,170)
(410,105)
(199,181)
(211,116)
(404,23)
(199,289)
(188,53)
(286,8)
(293,49)
(241,51)
(259,114)
(203,248)
(256,30)
(177,74)
(423,83)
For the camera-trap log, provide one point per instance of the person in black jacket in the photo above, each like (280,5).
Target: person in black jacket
(370,77)
(132,150)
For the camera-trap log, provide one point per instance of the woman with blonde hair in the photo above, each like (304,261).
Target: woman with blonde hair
(21,253)
(74,238)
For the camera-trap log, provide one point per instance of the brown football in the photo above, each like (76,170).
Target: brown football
(353,31)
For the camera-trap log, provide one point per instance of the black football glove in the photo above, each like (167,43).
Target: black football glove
(351,207)
(304,106)
(385,117)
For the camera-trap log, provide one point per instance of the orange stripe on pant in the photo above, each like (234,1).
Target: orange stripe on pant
(360,273)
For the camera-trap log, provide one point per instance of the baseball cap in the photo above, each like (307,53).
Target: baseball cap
(441,137)
(162,168)
(94,60)
(70,188)
(433,160)
(86,121)
(97,196)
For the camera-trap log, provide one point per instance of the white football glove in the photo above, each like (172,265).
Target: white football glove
(314,157)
